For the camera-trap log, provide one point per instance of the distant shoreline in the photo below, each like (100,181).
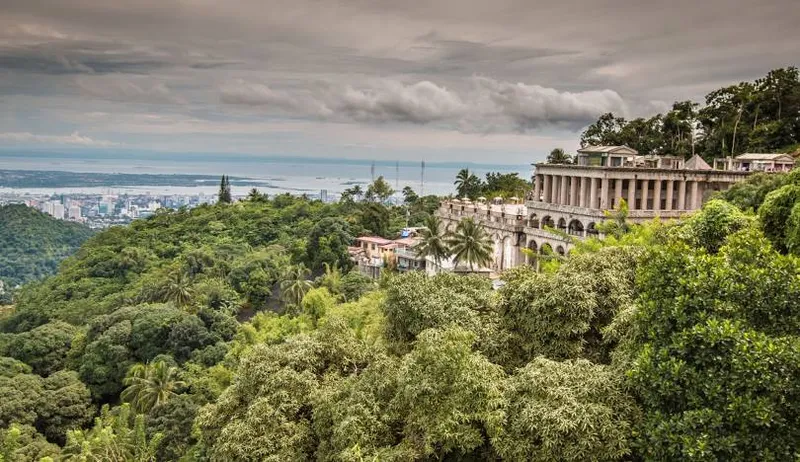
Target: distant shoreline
(17,179)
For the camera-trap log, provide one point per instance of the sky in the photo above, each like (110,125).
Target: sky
(500,81)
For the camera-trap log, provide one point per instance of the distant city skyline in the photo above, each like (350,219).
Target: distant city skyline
(500,82)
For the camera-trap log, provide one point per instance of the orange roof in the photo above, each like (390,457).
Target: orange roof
(407,241)
(374,240)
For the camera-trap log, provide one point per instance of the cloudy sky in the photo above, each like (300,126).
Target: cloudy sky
(502,81)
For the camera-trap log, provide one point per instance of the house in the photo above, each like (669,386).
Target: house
(762,162)
(606,156)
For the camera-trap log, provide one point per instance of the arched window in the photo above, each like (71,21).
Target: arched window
(575,228)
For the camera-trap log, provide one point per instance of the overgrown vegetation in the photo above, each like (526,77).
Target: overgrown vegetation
(759,116)
(664,341)
(32,244)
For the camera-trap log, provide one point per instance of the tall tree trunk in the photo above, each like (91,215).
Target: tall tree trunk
(735,127)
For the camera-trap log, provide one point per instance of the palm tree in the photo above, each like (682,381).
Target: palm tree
(434,241)
(295,284)
(470,244)
(357,192)
(558,156)
(150,385)
(178,289)
(462,182)
(332,278)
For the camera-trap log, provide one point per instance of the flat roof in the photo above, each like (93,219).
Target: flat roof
(764,156)
(374,240)
(608,149)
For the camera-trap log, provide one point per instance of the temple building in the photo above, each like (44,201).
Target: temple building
(573,198)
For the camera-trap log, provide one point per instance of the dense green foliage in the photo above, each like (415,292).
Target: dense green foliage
(32,244)
(204,335)
(759,116)
(505,185)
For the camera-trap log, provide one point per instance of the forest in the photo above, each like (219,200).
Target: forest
(758,116)
(238,332)
(32,244)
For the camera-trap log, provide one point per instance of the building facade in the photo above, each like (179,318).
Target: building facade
(572,199)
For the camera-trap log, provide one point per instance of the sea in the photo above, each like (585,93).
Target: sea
(295,175)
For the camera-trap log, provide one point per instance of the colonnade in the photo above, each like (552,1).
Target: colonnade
(604,193)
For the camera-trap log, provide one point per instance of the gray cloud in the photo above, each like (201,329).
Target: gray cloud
(486,105)
(381,63)
(136,89)
(73,139)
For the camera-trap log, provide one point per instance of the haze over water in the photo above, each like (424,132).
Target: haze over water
(282,174)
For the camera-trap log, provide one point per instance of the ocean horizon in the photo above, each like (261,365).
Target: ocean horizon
(281,174)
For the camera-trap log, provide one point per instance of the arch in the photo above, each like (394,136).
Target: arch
(591,229)
(546,249)
(562,224)
(534,248)
(560,250)
(449,227)
(575,228)
(533,221)
(548,221)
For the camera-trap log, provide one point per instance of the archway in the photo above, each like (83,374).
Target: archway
(575,228)
(548,222)
(533,221)
(546,249)
(560,250)
(591,230)
(562,224)
(534,249)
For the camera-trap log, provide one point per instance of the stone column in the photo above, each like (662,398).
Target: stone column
(681,194)
(631,194)
(562,197)
(692,203)
(537,188)
(657,195)
(645,190)
(697,199)
(573,191)
(554,189)
(617,190)
(604,194)
(670,185)
(546,188)
(593,193)
(583,192)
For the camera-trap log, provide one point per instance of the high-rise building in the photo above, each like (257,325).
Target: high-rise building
(74,212)
(323,195)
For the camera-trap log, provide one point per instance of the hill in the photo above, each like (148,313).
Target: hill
(663,341)
(32,244)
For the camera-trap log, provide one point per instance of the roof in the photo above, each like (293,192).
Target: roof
(407,241)
(696,163)
(608,150)
(374,240)
(389,246)
(765,156)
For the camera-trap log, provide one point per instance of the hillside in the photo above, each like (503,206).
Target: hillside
(664,341)
(32,243)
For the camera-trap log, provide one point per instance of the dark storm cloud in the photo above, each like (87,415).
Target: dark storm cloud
(454,65)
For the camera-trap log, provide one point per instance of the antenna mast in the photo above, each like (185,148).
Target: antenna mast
(422,179)
(372,171)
